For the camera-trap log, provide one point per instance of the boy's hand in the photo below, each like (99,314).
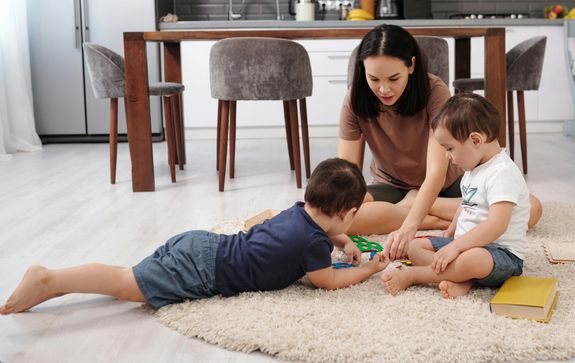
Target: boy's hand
(444,256)
(352,252)
(378,263)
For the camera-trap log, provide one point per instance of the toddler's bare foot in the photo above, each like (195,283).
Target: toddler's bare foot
(396,281)
(31,291)
(451,290)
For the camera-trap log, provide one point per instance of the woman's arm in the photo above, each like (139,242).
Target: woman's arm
(350,150)
(436,171)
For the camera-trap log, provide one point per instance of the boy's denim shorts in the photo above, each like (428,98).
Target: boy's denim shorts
(505,263)
(182,269)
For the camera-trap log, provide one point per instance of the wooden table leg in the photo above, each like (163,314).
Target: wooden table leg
(495,76)
(138,112)
(462,58)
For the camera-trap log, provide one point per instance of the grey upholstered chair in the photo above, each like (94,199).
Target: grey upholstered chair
(524,68)
(260,69)
(437,52)
(106,70)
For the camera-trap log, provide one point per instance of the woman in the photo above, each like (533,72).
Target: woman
(391,103)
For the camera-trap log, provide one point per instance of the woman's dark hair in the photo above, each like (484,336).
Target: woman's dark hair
(392,41)
(465,113)
(335,185)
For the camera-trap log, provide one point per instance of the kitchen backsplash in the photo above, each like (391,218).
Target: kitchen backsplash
(266,9)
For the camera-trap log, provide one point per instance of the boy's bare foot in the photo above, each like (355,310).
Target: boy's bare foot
(31,291)
(396,281)
(451,290)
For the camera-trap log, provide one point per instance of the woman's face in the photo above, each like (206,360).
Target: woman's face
(387,77)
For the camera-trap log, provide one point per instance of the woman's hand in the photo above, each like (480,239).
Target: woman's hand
(352,252)
(398,242)
(444,256)
(450,231)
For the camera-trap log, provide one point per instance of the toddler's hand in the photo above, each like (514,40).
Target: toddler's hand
(443,257)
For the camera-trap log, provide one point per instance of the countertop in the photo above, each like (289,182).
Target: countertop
(322,24)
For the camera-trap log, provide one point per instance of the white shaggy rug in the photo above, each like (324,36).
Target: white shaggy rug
(365,324)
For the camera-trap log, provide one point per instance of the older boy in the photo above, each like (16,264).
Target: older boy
(200,264)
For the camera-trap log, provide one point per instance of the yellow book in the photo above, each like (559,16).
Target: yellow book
(526,297)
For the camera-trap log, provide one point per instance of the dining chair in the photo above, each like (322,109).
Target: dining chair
(257,68)
(106,72)
(436,51)
(524,67)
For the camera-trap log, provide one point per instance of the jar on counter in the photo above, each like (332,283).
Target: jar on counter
(305,10)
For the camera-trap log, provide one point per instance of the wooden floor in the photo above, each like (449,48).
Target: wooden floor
(58,209)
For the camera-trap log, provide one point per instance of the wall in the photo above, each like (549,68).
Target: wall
(266,9)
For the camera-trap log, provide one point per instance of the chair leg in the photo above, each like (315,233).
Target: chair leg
(295,140)
(223,144)
(522,130)
(218,123)
(510,124)
(113,138)
(288,133)
(178,130)
(232,138)
(304,135)
(180,101)
(169,116)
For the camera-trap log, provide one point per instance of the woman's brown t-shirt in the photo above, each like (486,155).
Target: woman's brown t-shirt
(399,143)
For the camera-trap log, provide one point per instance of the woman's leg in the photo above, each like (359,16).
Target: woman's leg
(40,284)
(384,217)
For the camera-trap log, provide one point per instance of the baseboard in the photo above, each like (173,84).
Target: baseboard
(569,128)
(332,131)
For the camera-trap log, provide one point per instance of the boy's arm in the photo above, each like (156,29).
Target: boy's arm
(483,234)
(450,231)
(330,279)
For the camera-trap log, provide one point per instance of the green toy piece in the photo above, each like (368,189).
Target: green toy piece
(365,245)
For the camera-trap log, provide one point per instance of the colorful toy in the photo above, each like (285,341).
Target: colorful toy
(338,265)
(372,254)
(365,245)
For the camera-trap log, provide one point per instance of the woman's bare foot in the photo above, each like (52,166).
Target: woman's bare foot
(451,290)
(396,281)
(31,291)
(409,198)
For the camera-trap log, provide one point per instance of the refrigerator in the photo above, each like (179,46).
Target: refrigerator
(65,108)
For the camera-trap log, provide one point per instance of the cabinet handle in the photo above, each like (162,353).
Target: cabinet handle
(77,41)
(337,81)
(86,22)
(338,56)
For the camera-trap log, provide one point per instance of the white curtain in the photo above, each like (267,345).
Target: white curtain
(17,130)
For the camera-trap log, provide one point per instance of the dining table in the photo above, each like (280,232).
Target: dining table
(136,73)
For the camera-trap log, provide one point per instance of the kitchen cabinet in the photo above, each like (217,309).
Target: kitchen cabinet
(64,105)
(552,102)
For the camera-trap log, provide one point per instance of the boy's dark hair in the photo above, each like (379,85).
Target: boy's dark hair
(465,113)
(393,41)
(335,185)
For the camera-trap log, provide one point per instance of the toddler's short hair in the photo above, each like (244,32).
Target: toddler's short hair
(335,185)
(465,113)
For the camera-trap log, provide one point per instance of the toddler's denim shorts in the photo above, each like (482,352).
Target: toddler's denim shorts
(182,269)
(505,263)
